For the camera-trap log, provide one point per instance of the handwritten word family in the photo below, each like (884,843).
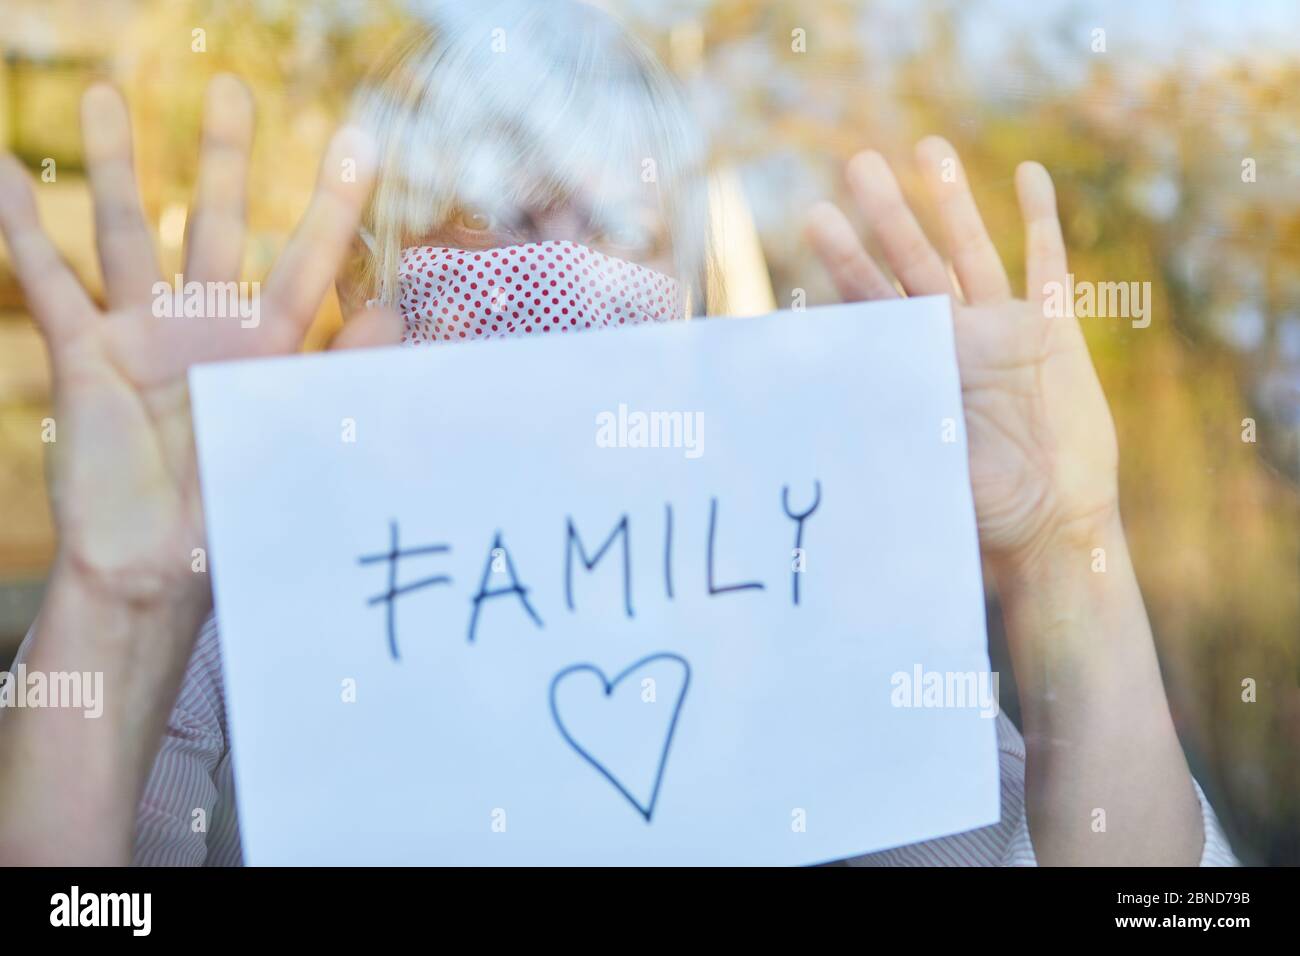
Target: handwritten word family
(578,556)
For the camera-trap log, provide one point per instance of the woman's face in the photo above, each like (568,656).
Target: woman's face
(631,230)
(503,270)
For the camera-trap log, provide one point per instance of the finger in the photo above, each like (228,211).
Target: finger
(907,251)
(59,304)
(371,328)
(307,266)
(215,241)
(1044,246)
(974,257)
(122,236)
(854,272)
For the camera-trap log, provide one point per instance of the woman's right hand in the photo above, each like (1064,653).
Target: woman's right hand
(124,485)
(124,600)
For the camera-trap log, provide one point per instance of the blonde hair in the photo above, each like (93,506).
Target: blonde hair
(492,103)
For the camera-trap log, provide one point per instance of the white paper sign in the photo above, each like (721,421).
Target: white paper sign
(588,649)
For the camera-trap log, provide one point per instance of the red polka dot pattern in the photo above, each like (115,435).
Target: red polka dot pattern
(455,295)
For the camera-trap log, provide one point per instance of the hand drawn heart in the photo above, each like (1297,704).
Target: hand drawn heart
(645,809)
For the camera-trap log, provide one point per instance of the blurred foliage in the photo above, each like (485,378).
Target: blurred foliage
(1148,161)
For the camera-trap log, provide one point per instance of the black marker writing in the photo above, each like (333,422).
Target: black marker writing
(573,541)
(501,562)
(668,549)
(391,556)
(647,809)
(515,587)
(799,519)
(713,528)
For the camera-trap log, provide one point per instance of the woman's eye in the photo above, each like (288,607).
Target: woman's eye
(625,237)
(474,219)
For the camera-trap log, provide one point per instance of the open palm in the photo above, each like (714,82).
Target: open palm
(1042,447)
(123,471)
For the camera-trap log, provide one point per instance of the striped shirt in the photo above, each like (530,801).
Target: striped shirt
(194,772)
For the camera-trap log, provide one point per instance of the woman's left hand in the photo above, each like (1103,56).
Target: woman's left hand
(1043,456)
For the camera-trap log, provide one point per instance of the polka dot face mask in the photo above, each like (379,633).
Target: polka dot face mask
(542,288)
